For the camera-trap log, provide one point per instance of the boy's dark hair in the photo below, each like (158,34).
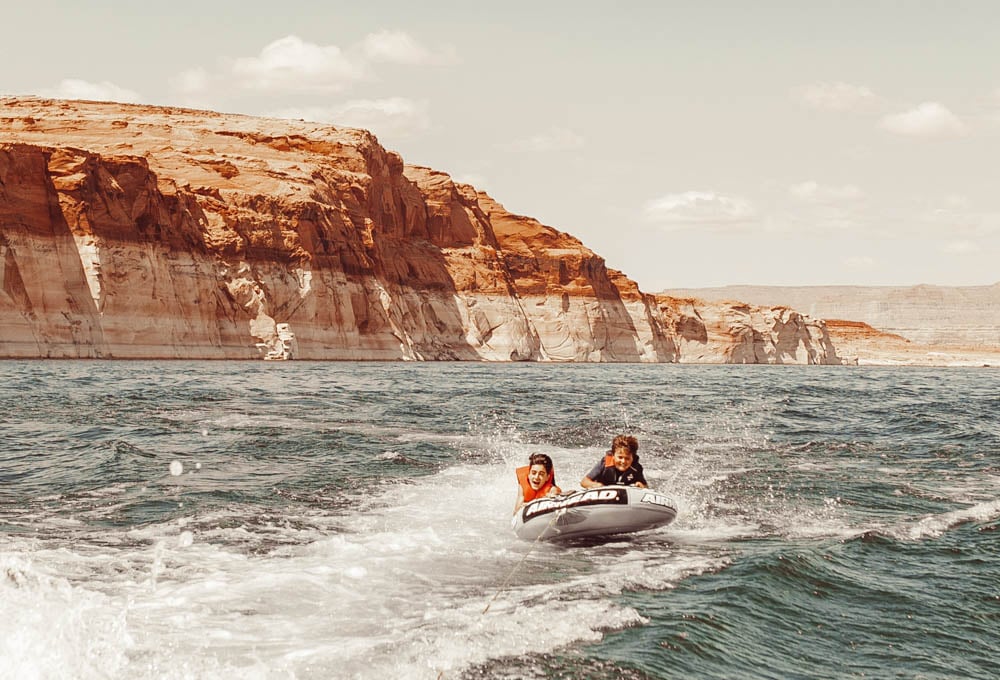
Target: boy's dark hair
(540,459)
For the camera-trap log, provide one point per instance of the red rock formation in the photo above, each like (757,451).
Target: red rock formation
(929,315)
(582,311)
(860,343)
(737,333)
(134,231)
(915,325)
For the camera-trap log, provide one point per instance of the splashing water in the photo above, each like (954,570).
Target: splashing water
(352,520)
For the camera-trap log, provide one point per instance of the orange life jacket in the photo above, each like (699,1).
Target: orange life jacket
(529,493)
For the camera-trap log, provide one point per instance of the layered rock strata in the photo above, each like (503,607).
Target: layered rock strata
(737,333)
(966,316)
(143,232)
(860,344)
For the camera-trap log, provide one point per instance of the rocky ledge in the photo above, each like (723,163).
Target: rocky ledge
(144,232)
(891,325)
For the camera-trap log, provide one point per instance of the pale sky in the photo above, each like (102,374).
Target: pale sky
(688,143)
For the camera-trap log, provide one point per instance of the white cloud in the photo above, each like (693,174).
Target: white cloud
(193,81)
(72,88)
(961,248)
(555,139)
(860,262)
(960,218)
(399,47)
(291,63)
(698,208)
(930,119)
(813,192)
(838,97)
(392,116)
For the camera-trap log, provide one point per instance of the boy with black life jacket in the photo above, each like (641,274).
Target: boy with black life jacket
(536,480)
(620,465)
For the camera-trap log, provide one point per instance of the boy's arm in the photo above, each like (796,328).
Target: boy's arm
(591,480)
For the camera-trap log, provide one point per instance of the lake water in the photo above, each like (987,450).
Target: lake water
(351,520)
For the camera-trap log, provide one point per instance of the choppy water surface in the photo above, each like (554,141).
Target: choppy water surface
(351,520)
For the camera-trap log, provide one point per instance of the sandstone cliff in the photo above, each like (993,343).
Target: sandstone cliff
(738,333)
(132,231)
(860,343)
(928,315)
(918,325)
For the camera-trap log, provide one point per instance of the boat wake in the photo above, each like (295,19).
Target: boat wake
(934,526)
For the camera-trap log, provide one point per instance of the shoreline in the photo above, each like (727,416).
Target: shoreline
(987,360)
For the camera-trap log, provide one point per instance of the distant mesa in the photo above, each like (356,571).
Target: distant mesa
(928,325)
(132,231)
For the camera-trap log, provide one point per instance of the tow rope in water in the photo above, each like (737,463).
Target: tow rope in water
(510,575)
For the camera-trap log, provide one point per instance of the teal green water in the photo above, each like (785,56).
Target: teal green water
(319,520)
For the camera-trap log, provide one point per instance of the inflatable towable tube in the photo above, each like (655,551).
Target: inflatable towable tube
(602,511)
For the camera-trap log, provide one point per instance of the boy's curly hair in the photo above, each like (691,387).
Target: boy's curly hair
(625,442)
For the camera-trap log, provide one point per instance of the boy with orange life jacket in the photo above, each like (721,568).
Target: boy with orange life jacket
(620,465)
(536,480)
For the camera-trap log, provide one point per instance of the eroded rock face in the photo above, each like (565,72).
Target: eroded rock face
(133,231)
(737,333)
(580,310)
(966,316)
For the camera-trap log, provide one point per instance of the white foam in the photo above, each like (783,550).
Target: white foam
(396,587)
(396,584)
(933,526)
(50,628)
